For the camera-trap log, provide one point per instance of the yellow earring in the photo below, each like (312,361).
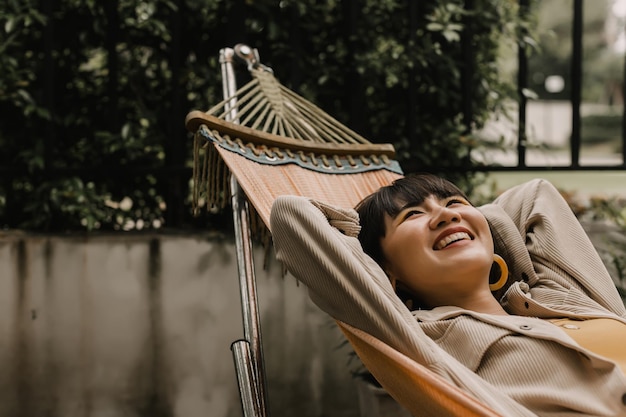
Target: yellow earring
(504,273)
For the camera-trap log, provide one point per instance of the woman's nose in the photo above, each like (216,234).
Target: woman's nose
(443,216)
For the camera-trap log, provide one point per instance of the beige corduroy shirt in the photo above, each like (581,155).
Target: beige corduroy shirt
(519,365)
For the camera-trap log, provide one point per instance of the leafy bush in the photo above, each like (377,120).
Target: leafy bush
(93,94)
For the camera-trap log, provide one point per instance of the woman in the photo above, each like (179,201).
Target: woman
(421,235)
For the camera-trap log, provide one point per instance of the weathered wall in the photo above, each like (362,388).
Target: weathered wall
(141,325)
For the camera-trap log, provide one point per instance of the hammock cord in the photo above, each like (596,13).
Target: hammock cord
(266,105)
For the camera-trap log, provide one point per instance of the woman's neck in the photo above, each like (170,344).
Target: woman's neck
(479,302)
(484,304)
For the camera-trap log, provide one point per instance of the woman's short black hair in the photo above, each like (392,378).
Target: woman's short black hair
(389,200)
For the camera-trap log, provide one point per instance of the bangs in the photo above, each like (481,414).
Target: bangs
(413,190)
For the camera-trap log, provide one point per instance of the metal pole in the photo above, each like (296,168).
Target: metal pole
(245,378)
(245,262)
(576,80)
(623,165)
(522,84)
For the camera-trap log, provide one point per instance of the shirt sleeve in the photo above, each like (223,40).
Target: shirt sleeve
(555,242)
(318,244)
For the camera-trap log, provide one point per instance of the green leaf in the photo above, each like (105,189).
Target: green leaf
(530,94)
(435,27)
(9,25)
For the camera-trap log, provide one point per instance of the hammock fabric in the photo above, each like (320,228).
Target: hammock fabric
(420,390)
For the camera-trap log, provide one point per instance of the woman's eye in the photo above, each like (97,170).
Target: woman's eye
(411,213)
(455,201)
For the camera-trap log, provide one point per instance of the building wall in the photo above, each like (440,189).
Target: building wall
(141,325)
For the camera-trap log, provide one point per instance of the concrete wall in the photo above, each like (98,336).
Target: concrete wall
(141,325)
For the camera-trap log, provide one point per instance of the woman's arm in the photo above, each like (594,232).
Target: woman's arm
(559,248)
(318,244)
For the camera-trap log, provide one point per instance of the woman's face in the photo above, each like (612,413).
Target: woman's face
(440,248)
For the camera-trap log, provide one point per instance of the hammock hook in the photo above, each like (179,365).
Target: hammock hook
(250,56)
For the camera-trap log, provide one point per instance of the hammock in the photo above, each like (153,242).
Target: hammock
(276,143)
(264,141)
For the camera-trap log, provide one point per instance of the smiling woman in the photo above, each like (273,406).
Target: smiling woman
(422,236)
(426,227)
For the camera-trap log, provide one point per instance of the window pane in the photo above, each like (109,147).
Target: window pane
(604,45)
(549,114)
(549,108)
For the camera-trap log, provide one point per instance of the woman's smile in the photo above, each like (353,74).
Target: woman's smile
(451,236)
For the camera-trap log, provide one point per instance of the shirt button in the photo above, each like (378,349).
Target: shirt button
(525,327)
(570,326)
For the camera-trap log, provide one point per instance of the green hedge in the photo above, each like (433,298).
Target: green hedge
(602,128)
(105,86)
